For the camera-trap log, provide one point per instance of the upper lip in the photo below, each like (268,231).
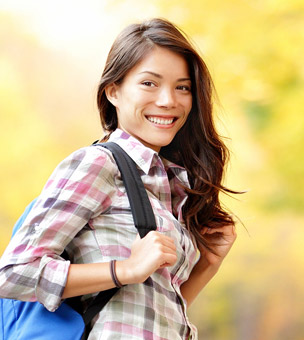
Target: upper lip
(161,116)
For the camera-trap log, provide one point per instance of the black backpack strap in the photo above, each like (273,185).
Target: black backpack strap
(142,212)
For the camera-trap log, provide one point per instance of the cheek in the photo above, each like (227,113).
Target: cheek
(144,98)
(137,99)
(188,105)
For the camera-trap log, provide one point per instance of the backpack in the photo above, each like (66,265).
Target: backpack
(21,320)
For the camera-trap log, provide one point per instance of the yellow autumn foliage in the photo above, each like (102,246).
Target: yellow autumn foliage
(52,54)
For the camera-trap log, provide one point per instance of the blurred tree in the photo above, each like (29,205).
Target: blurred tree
(37,111)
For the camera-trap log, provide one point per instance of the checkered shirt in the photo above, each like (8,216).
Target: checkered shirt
(84,208)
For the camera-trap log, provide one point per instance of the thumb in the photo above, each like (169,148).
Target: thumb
(137,238)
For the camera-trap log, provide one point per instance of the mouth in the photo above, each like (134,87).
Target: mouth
(161,120)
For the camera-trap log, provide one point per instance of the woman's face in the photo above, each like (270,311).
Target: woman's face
(154,99)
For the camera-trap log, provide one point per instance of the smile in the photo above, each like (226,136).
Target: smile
(160,121)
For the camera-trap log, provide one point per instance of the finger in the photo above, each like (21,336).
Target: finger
(158,238)
(157,235)
(225,230)
(169,260)
(165,250)
(204,230)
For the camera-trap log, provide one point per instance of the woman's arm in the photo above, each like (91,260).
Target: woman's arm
(209,262)
(80,188)
(148,254)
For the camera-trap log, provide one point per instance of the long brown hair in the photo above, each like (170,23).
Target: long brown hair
(197,146)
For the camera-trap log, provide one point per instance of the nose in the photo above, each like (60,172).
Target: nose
(166,98)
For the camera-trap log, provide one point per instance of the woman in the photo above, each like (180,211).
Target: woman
(155,101)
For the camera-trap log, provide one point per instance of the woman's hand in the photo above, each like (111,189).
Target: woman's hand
(221,240)
(148,254)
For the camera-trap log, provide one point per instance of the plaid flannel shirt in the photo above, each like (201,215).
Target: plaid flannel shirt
(84,208)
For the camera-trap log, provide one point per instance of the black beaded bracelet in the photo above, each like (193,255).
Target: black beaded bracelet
(113,274)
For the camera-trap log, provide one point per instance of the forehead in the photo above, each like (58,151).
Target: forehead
(162,61)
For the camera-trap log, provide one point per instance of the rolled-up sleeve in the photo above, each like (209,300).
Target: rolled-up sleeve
(80,189)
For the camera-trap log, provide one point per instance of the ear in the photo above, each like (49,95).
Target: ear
(111,92)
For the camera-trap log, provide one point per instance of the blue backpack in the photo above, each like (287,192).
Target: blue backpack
(21,320)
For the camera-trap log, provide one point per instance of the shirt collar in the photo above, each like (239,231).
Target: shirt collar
(144,156)
(178,171)
(141,155)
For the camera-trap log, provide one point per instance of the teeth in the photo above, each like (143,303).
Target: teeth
(161,121)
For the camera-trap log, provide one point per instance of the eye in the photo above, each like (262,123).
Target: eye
(148,83)
(184,88)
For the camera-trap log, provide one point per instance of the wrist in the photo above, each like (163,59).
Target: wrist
(114,277)
(123,273)
(204,265)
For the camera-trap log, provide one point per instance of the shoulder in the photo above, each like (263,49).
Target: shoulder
(89,160)
(91,154)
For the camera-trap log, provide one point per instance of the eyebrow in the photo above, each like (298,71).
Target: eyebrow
(160,76)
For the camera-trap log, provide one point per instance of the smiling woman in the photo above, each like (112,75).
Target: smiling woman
(155,102)
(154,99)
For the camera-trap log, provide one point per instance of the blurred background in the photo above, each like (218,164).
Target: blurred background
(51,57)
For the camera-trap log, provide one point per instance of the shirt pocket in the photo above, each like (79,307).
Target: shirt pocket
(115,233)
(164,224)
